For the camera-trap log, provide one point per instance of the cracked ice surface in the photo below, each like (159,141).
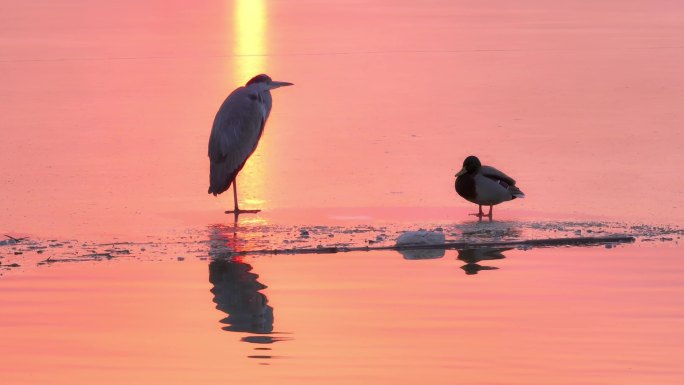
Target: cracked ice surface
(221,240)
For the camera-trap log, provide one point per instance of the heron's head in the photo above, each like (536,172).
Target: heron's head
(470,164)
(266,82)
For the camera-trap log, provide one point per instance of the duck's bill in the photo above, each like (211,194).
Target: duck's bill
(463,171)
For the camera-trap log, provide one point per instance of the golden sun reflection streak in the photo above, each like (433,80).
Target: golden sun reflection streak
(249,48)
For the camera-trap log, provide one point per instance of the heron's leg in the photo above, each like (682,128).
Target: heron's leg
(237,210)
(235,201)
(490,211)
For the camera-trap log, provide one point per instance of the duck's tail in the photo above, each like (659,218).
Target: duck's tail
(516,192)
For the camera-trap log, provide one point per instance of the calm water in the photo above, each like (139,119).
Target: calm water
(562,316)
(106,111)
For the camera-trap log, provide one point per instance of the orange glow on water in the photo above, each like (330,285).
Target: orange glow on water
(250,22)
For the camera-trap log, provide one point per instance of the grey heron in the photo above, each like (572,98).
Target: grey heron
(485,185)
(236,131)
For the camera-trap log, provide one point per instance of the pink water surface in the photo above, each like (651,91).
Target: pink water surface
(106,111)
(107,108)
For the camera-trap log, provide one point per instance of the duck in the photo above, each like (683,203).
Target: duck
(485,185)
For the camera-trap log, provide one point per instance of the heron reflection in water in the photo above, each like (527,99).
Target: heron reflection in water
(472,256)
(237,292)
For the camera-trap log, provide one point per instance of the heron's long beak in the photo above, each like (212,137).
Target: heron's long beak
(274,84)
(463,171)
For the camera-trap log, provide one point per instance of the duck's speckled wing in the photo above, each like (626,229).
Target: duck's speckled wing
(492,173)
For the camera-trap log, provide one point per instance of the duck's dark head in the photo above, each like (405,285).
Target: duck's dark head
(266,82)
(470,165)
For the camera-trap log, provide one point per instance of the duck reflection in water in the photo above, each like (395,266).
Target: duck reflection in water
(472,256)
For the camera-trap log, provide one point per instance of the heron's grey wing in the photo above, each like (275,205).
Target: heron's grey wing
(234,136)
(237,127)
(492,173)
